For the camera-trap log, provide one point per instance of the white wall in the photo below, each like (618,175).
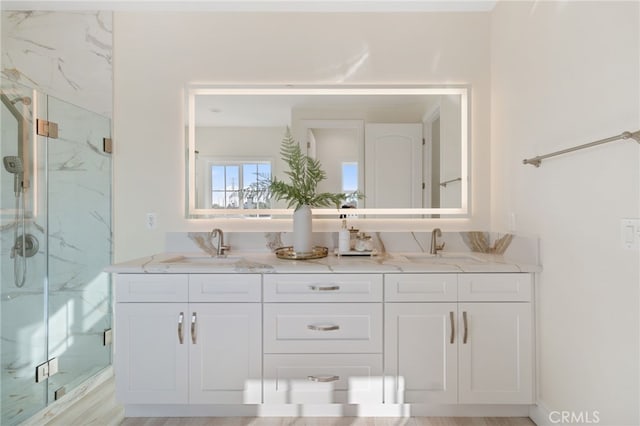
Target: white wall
(563,74)
(156,54)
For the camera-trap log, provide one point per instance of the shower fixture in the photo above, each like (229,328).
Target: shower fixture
(25,245)
(14,165)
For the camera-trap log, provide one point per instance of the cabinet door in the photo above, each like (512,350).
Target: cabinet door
(496,356)
(420,353)
(225,353)
(152,353)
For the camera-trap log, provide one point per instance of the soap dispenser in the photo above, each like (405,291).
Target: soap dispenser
(344,238)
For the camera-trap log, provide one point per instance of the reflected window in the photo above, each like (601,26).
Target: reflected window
(350,182)
(240,184)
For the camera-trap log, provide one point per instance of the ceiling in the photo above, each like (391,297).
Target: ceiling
(256,5)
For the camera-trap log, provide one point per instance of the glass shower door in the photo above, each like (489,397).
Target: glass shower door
(23,338)
(79,241)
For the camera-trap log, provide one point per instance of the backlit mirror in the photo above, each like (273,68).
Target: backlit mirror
(405,148)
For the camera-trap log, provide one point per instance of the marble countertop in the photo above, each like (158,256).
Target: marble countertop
(238,262)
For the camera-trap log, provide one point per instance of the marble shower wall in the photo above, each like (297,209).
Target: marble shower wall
(64,54)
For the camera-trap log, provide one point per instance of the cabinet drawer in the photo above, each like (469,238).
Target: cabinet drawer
(224,288)
(421,287)
(323,328)
(494,287)
(151,288)
(323,379)
(323,288)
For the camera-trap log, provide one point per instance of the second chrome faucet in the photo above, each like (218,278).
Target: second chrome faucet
(435,247)
(221,248)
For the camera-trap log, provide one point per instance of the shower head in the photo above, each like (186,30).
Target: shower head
(14,165)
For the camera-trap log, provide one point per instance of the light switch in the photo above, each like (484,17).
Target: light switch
(630,233)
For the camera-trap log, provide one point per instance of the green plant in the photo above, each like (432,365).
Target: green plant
(304,175)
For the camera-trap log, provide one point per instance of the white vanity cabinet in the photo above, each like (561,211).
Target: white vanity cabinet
(458,338)
(188,338)
(323,338)
(186,343)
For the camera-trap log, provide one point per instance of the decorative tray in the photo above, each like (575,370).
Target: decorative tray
(315,253)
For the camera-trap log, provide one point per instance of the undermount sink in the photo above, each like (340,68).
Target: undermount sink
(443,258)
(202,260)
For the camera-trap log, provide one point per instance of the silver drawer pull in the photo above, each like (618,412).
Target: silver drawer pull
(323,327)
(324,288)
(180,328)
(466,328)
(323,379)
(453,331)
(193,328)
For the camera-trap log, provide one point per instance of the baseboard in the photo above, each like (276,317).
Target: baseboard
(54,409)
(326,410)
(539,414)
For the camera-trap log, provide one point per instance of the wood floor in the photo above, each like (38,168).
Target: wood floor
(101,409)
(325,421)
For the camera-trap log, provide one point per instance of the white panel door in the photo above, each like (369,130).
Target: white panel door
(496,356)
(421,353)
(393,165)
(225,353)
(152,353)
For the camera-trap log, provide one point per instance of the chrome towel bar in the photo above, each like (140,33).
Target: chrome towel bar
(624,135)
(445,183)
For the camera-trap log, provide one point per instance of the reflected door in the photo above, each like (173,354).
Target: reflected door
(393,165)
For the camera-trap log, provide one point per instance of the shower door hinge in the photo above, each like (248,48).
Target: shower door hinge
(107,337)
(424,142)
(59,393)
(107,145)
(423,185)
(47,128)
(46,369)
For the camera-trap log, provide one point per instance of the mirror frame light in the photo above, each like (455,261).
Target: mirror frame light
(192,212)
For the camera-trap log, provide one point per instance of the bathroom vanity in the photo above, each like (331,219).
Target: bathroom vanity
(398,334)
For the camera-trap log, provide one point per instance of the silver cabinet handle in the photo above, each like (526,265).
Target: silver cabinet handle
(323,379)
(453,332)
(193,328)
(324,288)
(323,327)
(181,328)
(464,320)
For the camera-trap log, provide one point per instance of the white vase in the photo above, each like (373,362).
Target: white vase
(302,230)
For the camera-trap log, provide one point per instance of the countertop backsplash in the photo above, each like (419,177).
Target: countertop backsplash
(514,247)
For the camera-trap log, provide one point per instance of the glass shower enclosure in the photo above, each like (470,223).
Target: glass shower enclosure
(55,240)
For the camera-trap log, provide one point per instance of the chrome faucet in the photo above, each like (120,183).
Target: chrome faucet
(221,248)
(435,247)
